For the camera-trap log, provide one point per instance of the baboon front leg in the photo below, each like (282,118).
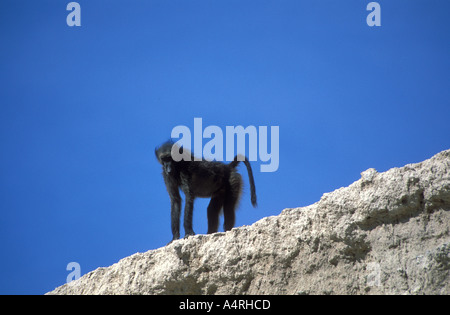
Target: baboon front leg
(188,214)
(175,210)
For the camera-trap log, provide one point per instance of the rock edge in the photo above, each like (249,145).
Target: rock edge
(387,233)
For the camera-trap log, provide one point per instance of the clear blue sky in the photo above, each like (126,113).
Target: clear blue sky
(82,109)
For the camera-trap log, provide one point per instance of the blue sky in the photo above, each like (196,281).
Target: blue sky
(82,109)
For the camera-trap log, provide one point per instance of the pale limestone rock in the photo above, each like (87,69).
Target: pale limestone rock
(387,233)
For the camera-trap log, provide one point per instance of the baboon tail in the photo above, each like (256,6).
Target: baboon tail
(235,163)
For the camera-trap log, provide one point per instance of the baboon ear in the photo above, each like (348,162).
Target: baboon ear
(167,167)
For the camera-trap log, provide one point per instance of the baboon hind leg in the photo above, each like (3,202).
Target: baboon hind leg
(231,201)
(214,208)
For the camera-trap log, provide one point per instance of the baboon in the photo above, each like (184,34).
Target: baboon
(202,179)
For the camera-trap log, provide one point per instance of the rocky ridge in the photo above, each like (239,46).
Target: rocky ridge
(387,233)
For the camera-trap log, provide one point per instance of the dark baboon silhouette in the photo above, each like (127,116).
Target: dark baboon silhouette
(221,182)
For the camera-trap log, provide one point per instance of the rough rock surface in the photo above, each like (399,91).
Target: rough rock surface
(387,233)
